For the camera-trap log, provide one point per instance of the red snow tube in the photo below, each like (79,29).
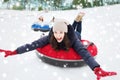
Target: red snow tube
(64,58)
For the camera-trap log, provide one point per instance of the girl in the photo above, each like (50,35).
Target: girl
(63,36)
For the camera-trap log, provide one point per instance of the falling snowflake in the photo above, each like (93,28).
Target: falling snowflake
(5,61)
(26,69)
(27,49)
(118,56)
(45,67)
(4,75)
(55,74)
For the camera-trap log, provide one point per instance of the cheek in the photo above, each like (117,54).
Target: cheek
(55,36)
(62,35)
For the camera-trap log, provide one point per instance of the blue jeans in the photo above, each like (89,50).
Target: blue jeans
(78,28)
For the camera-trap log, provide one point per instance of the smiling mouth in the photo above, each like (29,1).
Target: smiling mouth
(59,38)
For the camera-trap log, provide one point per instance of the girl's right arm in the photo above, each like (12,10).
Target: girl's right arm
(27,47)
(35,44)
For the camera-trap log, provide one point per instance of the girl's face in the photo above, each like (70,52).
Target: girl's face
(59,36)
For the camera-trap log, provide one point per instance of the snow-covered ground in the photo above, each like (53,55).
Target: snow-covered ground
(101,25)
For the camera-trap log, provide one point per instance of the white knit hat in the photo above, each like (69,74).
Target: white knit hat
(60,26)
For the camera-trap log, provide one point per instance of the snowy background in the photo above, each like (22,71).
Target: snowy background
(101,25)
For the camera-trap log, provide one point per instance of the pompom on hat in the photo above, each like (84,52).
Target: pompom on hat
(60,26)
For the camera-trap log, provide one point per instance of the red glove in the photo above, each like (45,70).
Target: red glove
(101,73)
(8,52)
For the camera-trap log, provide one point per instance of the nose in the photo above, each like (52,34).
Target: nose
(58,35)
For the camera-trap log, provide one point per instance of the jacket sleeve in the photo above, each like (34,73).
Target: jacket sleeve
(35,44)
(82,51)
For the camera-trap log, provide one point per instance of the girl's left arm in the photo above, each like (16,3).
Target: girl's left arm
(82,51)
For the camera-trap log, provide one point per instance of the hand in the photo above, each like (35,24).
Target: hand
(41,18)
(101,73)
(8,52)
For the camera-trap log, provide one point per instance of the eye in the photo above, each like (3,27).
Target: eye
(55,32)
(61,32)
